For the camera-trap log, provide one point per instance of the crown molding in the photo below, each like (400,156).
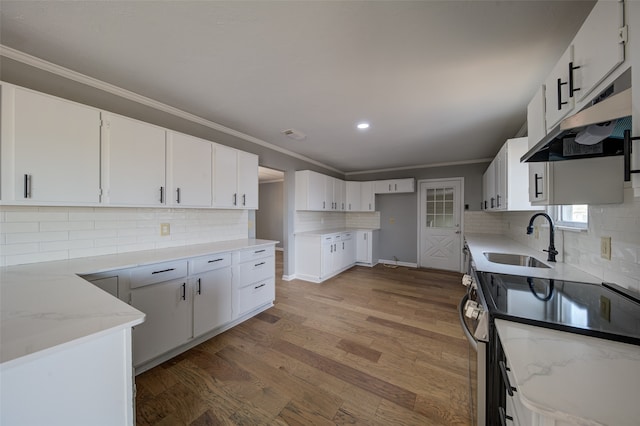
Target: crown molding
(61,71)
(423,166)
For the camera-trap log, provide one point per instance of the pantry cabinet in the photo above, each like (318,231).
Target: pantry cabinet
(133,161)
(50,150)
(189,170)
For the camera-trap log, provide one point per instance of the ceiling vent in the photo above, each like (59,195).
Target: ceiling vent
(295,134)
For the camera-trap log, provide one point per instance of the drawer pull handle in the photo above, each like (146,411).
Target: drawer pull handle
(260,251)
(199,285)
(259,264)
(259,286)
(184,291)
(163,271)
(215,260)
(505,378)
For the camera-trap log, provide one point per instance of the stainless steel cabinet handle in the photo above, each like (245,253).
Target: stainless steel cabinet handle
(178,195)
(235,199)
(164,270)
(498,200)
(244,199)
(162,194)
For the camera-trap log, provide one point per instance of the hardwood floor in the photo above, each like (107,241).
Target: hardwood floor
(374,346)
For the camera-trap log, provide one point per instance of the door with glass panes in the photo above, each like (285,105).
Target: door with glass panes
(440,230)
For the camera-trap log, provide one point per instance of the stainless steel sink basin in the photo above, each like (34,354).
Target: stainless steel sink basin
(515,259)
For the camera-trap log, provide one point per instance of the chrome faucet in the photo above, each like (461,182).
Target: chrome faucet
(552,248)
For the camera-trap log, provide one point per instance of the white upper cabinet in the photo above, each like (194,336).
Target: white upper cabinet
(367,197)
(558,103)
(353,196)
(393,186)
(598,48)
(189,168)
(134,162)
(536,122)
(339,195)
(50,150)
(235,181)
(247,180)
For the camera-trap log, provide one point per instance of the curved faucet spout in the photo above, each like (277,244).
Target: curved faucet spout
(552,248)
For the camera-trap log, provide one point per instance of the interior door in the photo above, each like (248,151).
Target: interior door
(440,211)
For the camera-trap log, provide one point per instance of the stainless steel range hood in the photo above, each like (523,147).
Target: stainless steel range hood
(595,131)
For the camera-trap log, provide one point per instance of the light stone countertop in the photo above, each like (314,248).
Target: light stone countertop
(578,379)
(480,243)
(334,231)
(46,306)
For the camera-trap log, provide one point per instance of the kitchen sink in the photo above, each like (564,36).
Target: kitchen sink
(515,259)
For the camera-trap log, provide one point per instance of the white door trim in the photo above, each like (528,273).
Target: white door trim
(420,201)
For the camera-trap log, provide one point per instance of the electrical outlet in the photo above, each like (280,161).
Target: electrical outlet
(392,220)
(165,229)
(605,248)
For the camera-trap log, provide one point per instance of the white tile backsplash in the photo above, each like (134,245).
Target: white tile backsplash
(479,222)
(621,222)
(38,234)
(368,220)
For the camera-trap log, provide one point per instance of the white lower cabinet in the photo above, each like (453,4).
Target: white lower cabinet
(322,256)
(211,300)
(187,301)
(366,247)
(255,285)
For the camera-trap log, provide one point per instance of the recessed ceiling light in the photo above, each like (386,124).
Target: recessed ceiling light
(363,126)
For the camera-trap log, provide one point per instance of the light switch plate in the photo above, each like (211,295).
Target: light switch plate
(605,248)
(165,229)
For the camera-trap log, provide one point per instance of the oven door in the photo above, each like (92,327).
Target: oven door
(477,348)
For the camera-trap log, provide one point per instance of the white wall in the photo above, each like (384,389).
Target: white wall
(39,234)
(621,222)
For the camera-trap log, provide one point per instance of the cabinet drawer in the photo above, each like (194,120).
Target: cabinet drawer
(252,296)
(209,263)
(256,270)
(257,253)
(158,273)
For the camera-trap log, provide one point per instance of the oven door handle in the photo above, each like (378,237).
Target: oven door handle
(472,341)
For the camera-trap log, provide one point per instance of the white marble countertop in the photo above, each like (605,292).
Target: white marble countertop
(320,232)
(46,306)
(480,243)
(578,379)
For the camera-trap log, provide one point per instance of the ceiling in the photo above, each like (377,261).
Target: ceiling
(439,81)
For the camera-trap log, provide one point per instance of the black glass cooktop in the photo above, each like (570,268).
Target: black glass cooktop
(597,310)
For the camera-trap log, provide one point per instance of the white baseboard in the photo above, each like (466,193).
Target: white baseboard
(279,248)
(394,262)
(289,277)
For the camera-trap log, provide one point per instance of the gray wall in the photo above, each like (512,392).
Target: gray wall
(269,223)
(399,212)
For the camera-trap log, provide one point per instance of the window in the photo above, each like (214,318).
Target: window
(570,216)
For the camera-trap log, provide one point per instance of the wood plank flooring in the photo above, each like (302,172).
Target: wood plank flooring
(373,346)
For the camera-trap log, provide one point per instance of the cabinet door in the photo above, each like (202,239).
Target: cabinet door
(363,246)
(56,149)
(339,196)
(247,180)
(190,171)
(167,324)
(135,162)
(489,186)
(329,193)
(368,199)
(225,180)
(500,174)
(597,48)
(328,249)
(558,103)
(348,255)
(382,186)
(538,182)
(404,185)
(353,196)
(211,300)
(536,122)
